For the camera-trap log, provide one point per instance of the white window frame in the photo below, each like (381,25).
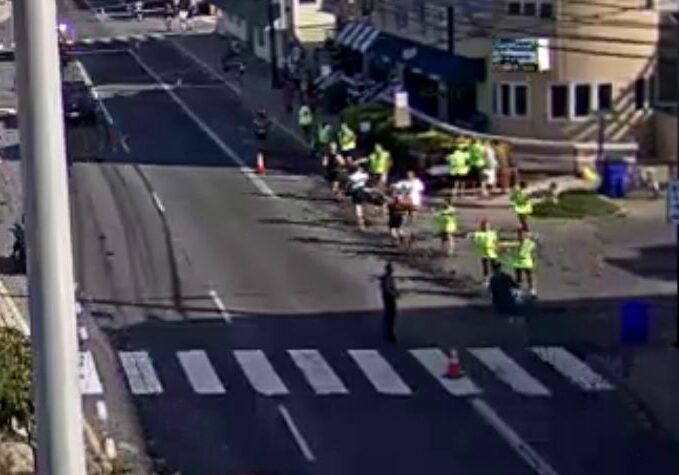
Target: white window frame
(573,101)
(596,95)
(536,3)
(497,94)
(569,102)
(522,8)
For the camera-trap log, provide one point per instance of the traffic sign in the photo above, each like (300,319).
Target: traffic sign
(673,201)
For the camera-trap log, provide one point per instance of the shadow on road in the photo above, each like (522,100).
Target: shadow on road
(659,262)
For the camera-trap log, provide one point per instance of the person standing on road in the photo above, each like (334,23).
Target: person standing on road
(521,203)
(139,10)
(524,259)
(305,119)
(169,10)
(505,292)
(396,209)
(459,169)
(357,183)
(347,140)
(490,171)
(446,227)
(380,163)
(335,169)
(477,164)
(485,241)
(390,295)
(184,7)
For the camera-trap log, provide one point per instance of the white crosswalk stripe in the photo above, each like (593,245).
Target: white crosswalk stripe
(318,373)
(572,368)
(90,383)
(380,373)
(141,376)
(434,360)
(200,373)
(508,371)
(260,373)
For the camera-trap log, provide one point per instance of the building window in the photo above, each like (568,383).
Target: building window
(521,100)
(640,99)
(558,101)
(505,100)
(546,10)
(529,9)
(604,97)
(583,100)
(514,8)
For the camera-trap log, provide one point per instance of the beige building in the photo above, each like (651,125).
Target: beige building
(551,65)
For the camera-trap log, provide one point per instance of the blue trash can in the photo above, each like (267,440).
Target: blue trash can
(615,178)
(634,323)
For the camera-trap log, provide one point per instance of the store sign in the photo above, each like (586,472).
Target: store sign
(521,54)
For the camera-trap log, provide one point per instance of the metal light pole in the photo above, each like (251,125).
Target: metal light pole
(48,232)
(273,51)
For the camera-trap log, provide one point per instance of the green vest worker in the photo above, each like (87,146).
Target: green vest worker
(477,156)
(486,242)
(305,118)
(446,227)
(521,203)
(458,163)
(380,162)
(347,139)
(524,260)
(324,136)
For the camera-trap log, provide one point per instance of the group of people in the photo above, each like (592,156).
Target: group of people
(185,10)
(475,164)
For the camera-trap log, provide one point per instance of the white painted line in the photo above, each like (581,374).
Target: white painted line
(247,171)
(157,36)
(380,373)
(110,448)
(508,371)
(200,372)
(318,372)
(90,384)
(435,361)
(525,451)
(157,202)
(260,373)
(220,305)
(140,374)
(572,368)
(236,90)
(83,333)
(299,439)
(102,411)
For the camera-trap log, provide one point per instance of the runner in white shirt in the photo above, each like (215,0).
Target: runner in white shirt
(412,190)
(357,182)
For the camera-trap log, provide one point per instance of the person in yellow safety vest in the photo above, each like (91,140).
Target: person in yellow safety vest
(523,207)
(446,225)
(380,163)
(523,260)
(347,140)
(306,121)
(486,242)
(324,137)
(459,169)
(477,162)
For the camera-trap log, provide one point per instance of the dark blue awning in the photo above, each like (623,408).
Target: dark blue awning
(427,60)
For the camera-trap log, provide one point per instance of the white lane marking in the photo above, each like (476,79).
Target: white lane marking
(294,430)
(83,333)
(89,377)
(260,373)
(525,451)
(247,171)
(380,373)
(572,368)
(140,374)
(102,411)
(200,372)
(318,372)
(213,72)
(220,305)
(110,448)
(508,371)
(157,202)
(434,360)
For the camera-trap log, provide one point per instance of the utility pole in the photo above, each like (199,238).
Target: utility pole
(676,171)
(273,51)
(48,233)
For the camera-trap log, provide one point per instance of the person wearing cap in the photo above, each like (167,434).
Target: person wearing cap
(485,241)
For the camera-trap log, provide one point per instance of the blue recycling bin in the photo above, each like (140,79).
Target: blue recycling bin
(634,324)
(615,178)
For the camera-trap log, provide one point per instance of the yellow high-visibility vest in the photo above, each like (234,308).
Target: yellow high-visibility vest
(485,243)
(523,257)
(447,220)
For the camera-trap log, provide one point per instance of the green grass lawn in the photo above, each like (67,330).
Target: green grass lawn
(575,204)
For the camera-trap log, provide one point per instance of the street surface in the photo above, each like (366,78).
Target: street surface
(228,334)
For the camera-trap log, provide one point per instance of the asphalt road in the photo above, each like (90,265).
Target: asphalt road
(200,277)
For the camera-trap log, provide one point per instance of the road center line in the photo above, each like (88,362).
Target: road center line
(247,171)
(220,305)
(299,439)
(158,203)
(525,451)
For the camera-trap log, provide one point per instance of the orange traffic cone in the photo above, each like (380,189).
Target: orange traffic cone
(261,168)
(454,369)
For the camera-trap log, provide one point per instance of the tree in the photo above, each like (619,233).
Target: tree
(17,414)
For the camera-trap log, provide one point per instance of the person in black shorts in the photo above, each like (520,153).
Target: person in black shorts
(396,209)
(335,171)
(261,126)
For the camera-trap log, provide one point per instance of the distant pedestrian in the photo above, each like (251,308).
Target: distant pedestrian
(335,169)
(396,208)
(390,295)
(521,202)
(139,10)
(305,119)
(490,171)
(524,259)
(485,241)
(184,7)
(446,227)
(505,292)
(170,12)
(459,170)
(357,183)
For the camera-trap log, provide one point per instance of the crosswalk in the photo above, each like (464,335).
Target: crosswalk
(122,40)
(387,376)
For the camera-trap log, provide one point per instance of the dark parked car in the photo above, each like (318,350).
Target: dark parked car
(79,106)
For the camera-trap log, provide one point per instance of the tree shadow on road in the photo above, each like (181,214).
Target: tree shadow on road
(656,262)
